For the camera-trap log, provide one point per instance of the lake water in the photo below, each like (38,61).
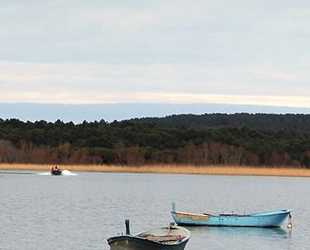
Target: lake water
(39,211)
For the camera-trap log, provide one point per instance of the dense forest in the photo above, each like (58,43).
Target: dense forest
(209,139)
(253,121)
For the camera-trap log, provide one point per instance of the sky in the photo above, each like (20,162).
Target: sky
(238,52)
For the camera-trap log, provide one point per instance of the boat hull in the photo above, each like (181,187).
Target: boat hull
(172,237)
(56,172)
(127,242)
(267,219)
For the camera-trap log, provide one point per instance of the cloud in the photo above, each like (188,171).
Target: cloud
(72,51)
(161,31)
(95,83)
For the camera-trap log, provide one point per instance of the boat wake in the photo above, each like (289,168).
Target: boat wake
(64,172)
(46,173)
(67,172)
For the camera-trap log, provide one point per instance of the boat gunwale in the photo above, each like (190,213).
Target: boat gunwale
(264,214)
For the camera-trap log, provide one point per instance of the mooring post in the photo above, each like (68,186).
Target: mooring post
(127,227)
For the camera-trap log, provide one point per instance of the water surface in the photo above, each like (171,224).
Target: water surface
(39,211)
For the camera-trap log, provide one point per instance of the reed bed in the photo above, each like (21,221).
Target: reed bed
(173,169)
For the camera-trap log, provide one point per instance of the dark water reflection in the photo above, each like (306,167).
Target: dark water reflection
(241,231)
(80,212)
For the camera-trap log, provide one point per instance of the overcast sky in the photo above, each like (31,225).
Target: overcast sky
(160,51)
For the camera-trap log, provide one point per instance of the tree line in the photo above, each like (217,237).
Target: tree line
(296,122)
(240,139)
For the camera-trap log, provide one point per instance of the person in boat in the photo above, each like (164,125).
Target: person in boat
(54,168)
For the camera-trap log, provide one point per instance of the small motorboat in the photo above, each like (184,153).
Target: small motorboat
(264,219)
(56,171)
(171,237)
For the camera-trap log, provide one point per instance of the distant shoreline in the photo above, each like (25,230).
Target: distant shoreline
(171,169)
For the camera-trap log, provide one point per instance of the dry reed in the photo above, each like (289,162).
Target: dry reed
(173,169)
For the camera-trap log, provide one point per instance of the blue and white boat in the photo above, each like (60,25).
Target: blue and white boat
(265,219)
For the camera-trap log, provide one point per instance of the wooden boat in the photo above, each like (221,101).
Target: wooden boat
(264,219)
(171,237)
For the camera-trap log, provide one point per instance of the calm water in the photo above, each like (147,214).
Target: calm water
(39,211)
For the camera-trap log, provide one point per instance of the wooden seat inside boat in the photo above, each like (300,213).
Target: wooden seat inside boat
(170,238)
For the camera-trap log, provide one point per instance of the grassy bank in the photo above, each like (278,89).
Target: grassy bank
(183,169)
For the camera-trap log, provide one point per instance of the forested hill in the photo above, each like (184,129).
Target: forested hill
(298,122)
(216,139)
